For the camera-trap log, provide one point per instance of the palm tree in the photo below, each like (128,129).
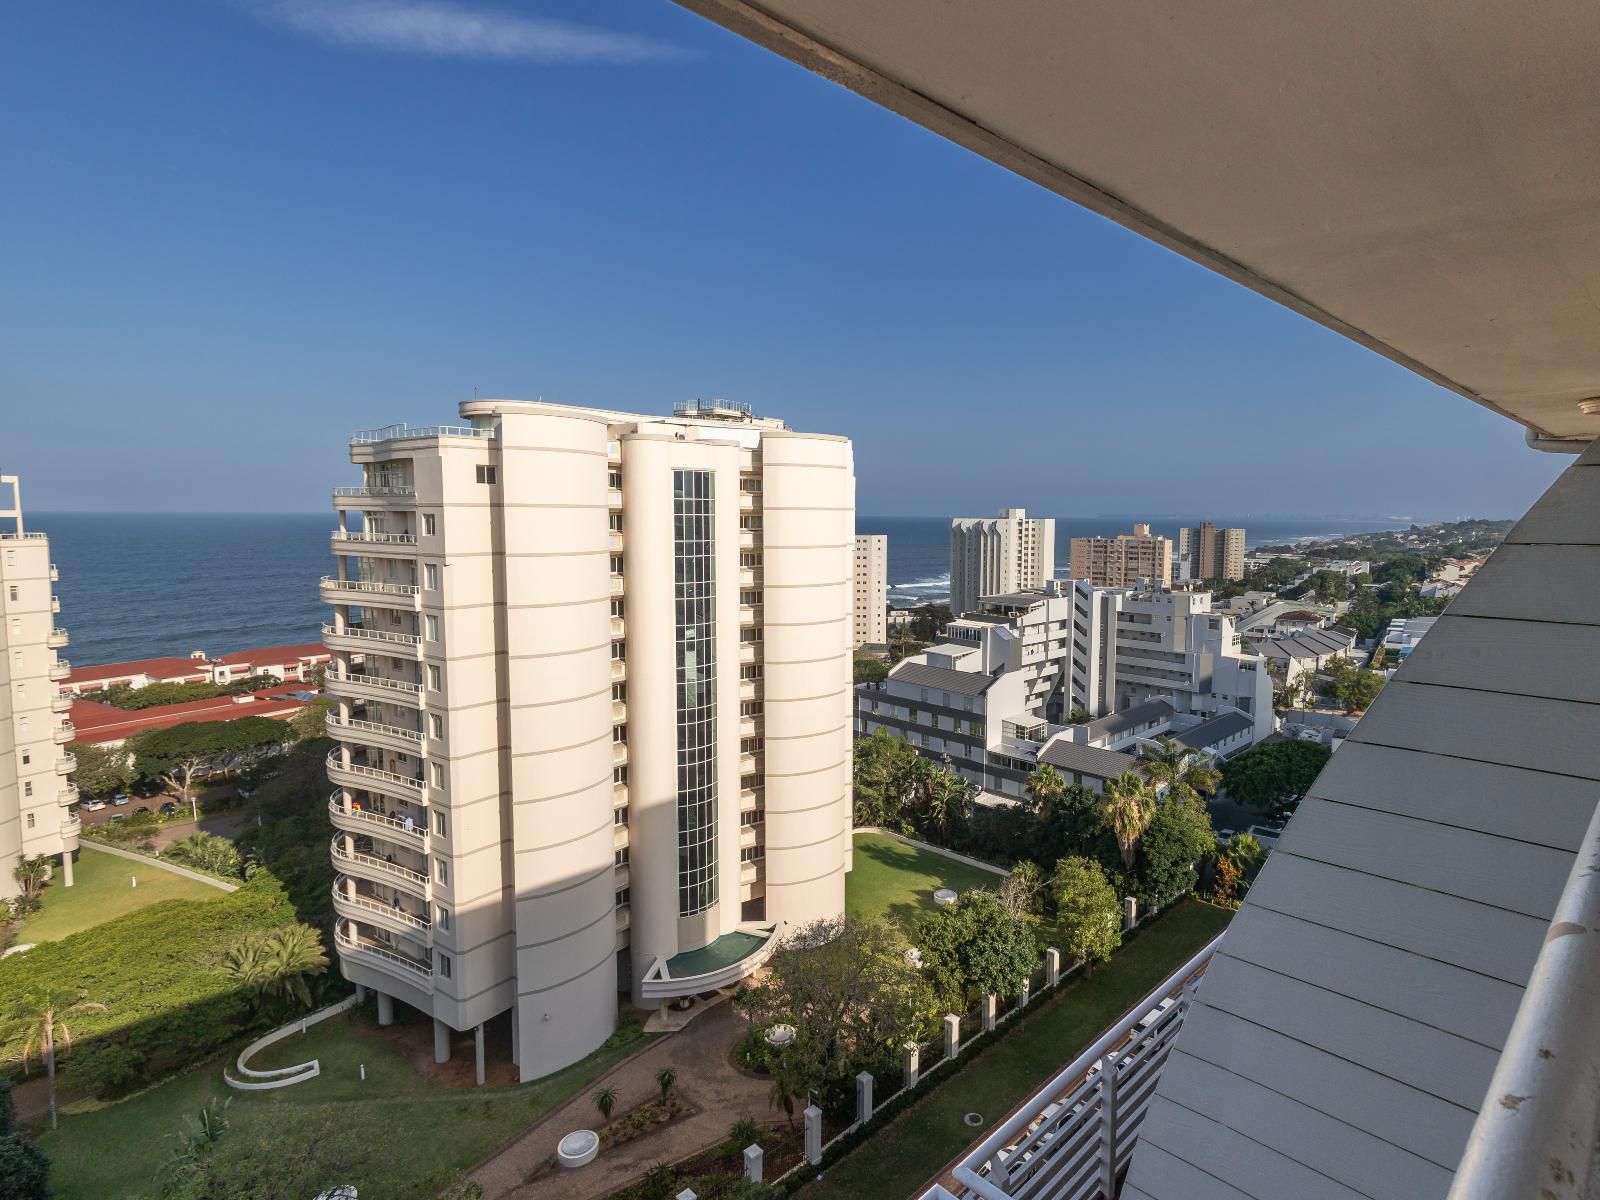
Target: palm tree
(31,875)
(946,797)
(44,1018)
(1128,806)
(1045,786)
(665,1078)
(277,963)
(605,1099)
(1186,774)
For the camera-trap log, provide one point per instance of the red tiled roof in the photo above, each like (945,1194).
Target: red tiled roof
(156,668)
(96,722)
(276,655)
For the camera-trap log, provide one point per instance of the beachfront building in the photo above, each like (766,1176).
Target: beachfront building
(991,555)
(36,816)
(592,677)
(1207,552)
(871,599)
(1127,560)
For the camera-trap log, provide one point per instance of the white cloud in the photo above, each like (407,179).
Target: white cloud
(446,30)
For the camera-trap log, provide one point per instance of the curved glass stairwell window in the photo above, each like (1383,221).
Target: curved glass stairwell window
(694,599)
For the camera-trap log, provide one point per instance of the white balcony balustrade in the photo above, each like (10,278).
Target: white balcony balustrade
(362,949)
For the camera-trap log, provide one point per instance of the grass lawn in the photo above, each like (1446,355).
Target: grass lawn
(891,879)
(901,1158)
(100,892)
(426,1131)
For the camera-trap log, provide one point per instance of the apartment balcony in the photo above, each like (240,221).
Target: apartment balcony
(747,726)
(63,732)
(614,498)
(363,950)
(619,712)
(620,837)
(749,577)
(749,763)
(404,596)
(624,918)
(749,689)
(1074,1136)
(395,496)
(374,869)
(749,614)
(55,573)
(749,539)
(616,585)
(376,734)
(384,914)
(376,688)
(356,775)
(387,544)
(355,640)
(749,652)
(61,702)
(67,795)
(749,501)
(365,823)
(56,639)
(55,604)
(58,670)
(66,763)
(618,627)
(619,795)
(619,670)
(753,872)
(70,828)
(615,540)
(619,753)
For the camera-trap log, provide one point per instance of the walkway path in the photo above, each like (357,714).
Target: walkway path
(706,1079)
(148,861)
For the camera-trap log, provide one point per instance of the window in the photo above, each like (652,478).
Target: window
(444,963)
(435,726)
(442,916)
(695,644)
(614,480)
(619,816)
(616,608)
(27,757)
(752,816)
(616,522)
(623,896)
(486,474)
(433,628)
(750,634)
(619,651)
(30,820)
(435,677)
(616,564)
(621,857)
(438,774)
(619,691)
(750,708)
(619,733)
(439,825)
(27,788)
(430,574)
(441,871)
(750,558)
(751,745)
(13,593)
(619,775)
(752,854)
(749,783)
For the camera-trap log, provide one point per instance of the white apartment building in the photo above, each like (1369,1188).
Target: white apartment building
(592,673)
(991,555)
(998,691)
(1208,552)
(871,599)
(36,798)
(1126,560)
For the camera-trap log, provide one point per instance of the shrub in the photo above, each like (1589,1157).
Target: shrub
(108,1070)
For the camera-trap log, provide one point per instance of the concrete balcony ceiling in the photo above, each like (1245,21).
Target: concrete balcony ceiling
(1420,178)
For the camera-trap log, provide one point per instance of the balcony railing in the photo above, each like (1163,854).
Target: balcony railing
(66,764)
(61,702)
(388,490)
(375,824)
(375,539)
(332,583)
(377,681)
(71,827)
(56,639)
(393,433)
(372,635)
(348,730)
(55,573)
(1074,1136)
(64,732)
(12,537)
(366,904)
(409,783)
(58,670)
(360,946)
(381,865)
(68,795)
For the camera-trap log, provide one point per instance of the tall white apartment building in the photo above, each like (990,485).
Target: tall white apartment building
(1207,552)
(36,816)
(592,673)
(871,598)
(992,555)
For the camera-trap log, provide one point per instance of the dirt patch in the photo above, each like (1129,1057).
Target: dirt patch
(412,1036)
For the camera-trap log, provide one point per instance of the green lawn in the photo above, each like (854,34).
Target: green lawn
(423,1132)
(101,892)
(900,1159)
(891,879)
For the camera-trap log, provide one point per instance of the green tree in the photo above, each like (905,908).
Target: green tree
(1087,911)
(24,1170)
(311,721)
(1020,891)
(1079,715)
(1351,686)
(1246,852)
(101,770)
(1266,776)
(31,875)
(178,755)
(976,948)
(208,852)
(1179,836)
(885,770)
(870,670)
(1187,775)
(944,801)
(853,997)
(1045,786)
(1128,806)
(43,1019)
(277,964)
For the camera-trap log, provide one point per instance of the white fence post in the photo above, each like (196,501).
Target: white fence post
(952,1035)
(988,1013)
(752,1163)
(1052,967)
(1130,913)
(1025,994)
(1108,1122)
(913,1064)
(813,1116)
(864,1097)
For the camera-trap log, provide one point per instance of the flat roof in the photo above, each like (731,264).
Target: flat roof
(724,952)
(1218,729)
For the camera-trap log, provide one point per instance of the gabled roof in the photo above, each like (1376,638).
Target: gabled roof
(1077,759)
(965,683)
(1217,729)
(1113,724)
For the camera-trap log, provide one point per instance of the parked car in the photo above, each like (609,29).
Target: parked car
(143,808)
(120,799)
(117,817)
(168,809)
(93,805)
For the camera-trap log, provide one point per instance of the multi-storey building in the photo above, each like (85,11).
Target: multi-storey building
(1126,560)
(36,797)
(999,690)
(992,555)
(592,674)
(1206,552)
(871,598)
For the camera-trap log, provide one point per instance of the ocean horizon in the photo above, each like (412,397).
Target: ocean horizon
(145,585)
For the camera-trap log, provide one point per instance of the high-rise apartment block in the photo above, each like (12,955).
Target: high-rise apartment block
(592,674)
(871,589)
(991,555)
(35,795)
(1207,552)
(1127,560)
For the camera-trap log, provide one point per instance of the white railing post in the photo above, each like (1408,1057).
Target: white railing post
(1108,1122)
(813,1116)
(752,1163)
(1052,967)
(952,1035)
(1025,994)
(988,1013)
(1130,913)
(913,1064)
(864,1097)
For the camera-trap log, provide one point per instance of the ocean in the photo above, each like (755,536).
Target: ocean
(141,585)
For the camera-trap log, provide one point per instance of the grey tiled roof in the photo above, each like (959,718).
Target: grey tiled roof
(1078,759)
(1112,724)
(965,683)
(1218,729)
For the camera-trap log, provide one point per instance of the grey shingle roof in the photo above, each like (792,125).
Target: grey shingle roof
(1077,759)
(1218,729)
(964,683)
(1112,724)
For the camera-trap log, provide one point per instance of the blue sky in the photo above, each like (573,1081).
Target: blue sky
(236,230)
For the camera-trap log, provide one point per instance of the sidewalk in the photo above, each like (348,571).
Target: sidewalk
(706,1079)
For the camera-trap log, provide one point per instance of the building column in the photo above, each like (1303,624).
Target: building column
(385,1008)
(478,1046)
(66,867)
(441,1041)
(516,1038)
